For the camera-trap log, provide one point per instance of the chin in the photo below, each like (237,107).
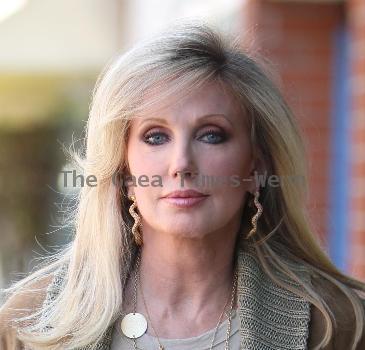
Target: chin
(195,232)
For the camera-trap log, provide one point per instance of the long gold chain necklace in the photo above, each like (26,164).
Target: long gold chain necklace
(134,324)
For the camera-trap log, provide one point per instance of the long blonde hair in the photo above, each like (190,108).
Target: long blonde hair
(101,254)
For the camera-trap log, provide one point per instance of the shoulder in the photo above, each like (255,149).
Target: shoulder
(21,304)
(344,314)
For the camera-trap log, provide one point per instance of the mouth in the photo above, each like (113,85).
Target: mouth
(185,194)
(185,202)
(185,199)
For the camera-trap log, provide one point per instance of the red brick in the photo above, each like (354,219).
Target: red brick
(357,271)
(298,38)
(357,220)
(358,136)
(358,204)
(358,170)
(359,103)
(358,238)
(358,119)
(358,67)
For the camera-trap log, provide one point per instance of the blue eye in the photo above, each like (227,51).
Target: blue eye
(214,136)
(156,136)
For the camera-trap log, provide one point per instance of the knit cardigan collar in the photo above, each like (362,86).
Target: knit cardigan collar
(271,317)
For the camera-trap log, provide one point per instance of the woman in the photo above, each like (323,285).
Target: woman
(181,245)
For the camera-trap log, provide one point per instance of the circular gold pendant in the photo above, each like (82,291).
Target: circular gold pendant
(133,325)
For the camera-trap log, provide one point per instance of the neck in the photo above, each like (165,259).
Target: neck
(186,279)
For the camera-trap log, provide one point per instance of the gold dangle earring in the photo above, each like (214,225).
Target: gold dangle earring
(137,221)
(256,216)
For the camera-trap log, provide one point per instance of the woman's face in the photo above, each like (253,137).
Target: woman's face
(206,134)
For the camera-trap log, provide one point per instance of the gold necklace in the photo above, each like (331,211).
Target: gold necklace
(134,324)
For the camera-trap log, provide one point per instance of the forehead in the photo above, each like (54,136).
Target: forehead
(211,98)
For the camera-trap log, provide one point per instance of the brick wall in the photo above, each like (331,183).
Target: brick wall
(297,37)
(356,24)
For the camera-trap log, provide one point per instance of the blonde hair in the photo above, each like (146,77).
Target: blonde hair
(100,257)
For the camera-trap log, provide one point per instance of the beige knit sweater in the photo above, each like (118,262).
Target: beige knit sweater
(270,317)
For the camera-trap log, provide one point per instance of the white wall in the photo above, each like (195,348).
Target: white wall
(149,16)
(61,35)
(83,35)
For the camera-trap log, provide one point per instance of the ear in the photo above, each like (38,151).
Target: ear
(124,176)
(128,187)
(256,168)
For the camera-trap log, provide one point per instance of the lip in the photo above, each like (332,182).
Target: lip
(185,199)
(185,194)
(184,202)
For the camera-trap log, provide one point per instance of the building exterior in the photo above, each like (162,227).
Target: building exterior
(318,48)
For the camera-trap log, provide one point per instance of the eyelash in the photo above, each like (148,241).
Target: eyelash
(222,135)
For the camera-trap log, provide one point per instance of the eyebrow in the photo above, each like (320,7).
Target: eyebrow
(206,116)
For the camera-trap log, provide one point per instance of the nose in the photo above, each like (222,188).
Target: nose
(185,174)
(183,162)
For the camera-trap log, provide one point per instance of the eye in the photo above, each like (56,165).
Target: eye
(214,136)
(154,138)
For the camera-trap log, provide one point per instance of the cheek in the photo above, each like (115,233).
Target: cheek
(228,163)
(142,162)
(144,168)
(231,168)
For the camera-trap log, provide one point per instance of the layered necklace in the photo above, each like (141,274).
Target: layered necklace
(134,324)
